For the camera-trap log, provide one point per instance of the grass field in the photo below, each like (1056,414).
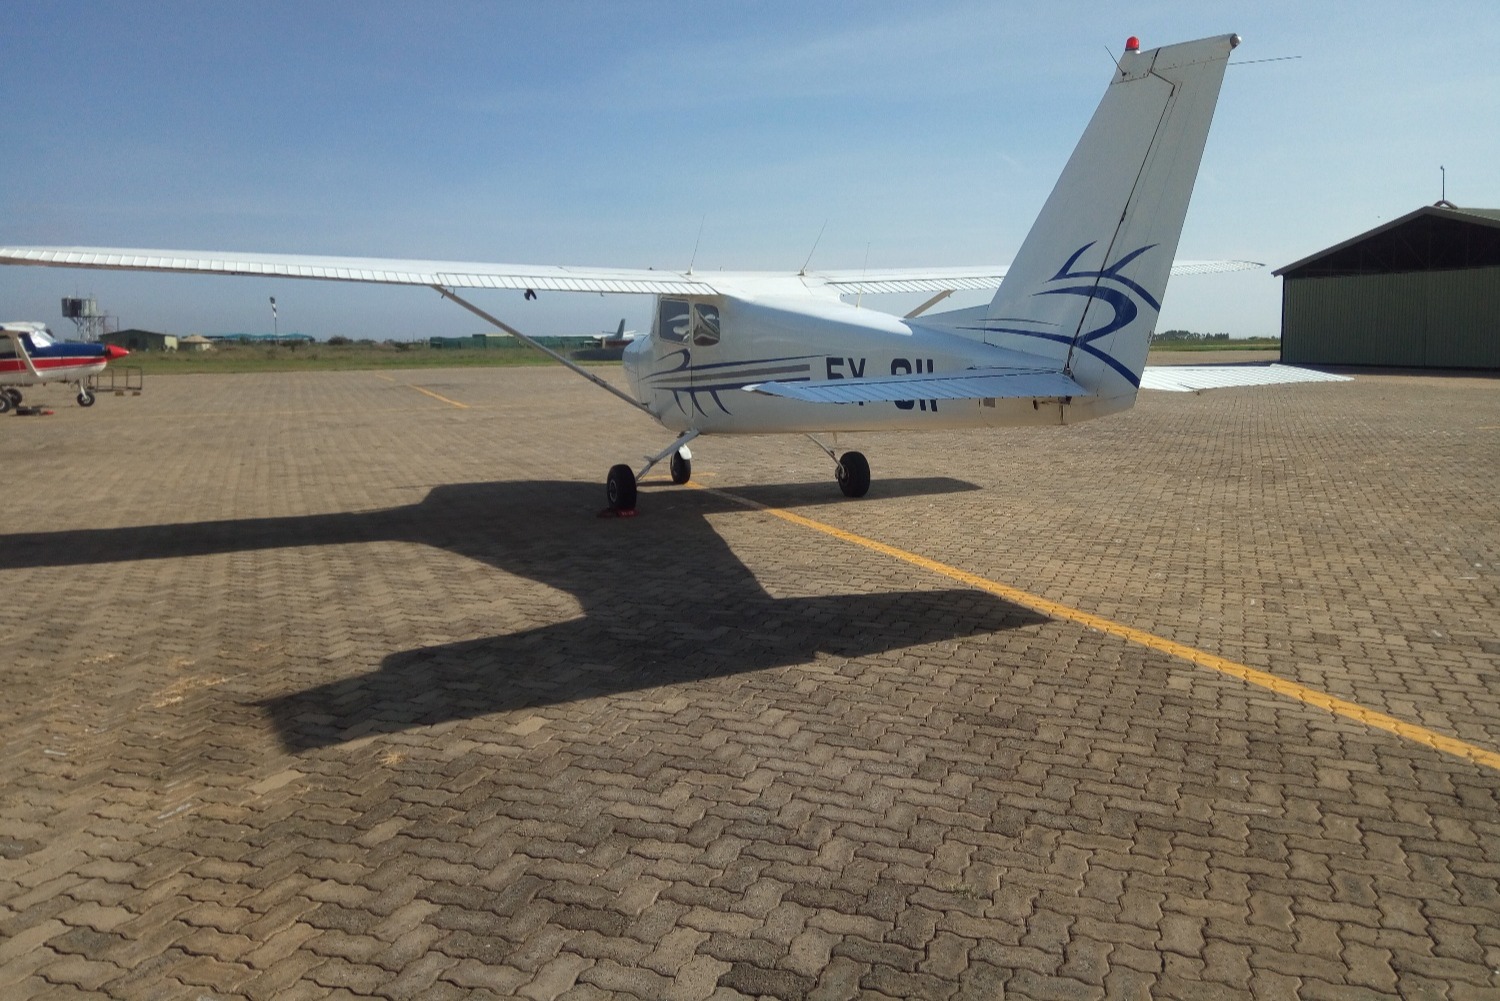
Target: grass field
(1248,344)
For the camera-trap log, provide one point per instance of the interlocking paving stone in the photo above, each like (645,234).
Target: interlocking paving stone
(317,686)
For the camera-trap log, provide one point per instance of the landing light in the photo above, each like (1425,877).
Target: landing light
(1132,44)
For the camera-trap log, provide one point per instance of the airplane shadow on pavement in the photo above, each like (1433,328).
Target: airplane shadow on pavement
(664,599)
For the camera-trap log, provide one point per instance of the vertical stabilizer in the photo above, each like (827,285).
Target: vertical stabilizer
(1088,282)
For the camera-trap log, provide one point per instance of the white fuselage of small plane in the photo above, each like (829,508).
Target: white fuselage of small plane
(692,371)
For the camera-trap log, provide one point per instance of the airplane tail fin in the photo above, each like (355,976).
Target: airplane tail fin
(1087,284)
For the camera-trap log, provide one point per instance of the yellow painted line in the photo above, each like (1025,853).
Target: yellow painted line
(427,392)
(1201,658)
(436,396)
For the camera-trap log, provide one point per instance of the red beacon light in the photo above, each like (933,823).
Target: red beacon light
(1132,44)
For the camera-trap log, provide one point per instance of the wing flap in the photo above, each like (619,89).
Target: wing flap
(1196,378)
(974,384)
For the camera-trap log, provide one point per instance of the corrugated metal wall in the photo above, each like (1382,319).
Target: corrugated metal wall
(1431,319)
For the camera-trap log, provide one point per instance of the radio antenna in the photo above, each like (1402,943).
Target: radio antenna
(694,259)
(814,250)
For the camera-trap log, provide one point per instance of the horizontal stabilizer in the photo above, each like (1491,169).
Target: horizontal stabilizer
(974,384)
(1195,378)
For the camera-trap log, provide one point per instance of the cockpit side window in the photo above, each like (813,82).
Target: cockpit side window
(705,324)
(680,321)
(672,320)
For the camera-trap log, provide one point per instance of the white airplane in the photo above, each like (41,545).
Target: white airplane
(30,357)
(616,338)
(1064,340)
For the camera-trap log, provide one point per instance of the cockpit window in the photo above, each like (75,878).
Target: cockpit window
(705,324)
(679,321)
(672,320)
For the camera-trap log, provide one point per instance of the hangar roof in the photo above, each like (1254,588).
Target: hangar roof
(1441,237)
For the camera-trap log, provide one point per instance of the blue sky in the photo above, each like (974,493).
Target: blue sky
(608,133)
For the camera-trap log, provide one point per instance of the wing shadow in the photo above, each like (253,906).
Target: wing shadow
(664,600)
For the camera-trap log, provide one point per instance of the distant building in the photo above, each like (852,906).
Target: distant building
(140,340)
(195,342)
(1421,291)
(473,341)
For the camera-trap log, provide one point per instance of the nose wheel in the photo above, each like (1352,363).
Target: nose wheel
(620,487)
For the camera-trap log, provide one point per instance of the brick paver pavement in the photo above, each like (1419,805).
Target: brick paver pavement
(317,686)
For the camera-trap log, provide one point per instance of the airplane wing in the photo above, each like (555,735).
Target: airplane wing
(543,278)
(966,279)
(379,270)
(911,280)
(1196,378)
(974,384)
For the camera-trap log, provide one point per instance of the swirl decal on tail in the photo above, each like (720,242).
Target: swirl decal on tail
(1122,300)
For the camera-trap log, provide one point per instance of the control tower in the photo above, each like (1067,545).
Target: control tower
(86,316)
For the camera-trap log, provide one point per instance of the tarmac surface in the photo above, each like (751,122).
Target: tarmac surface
(334,685)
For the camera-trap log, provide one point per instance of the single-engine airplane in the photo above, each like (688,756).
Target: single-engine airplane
(30,357)
(616,338)
(1064,340)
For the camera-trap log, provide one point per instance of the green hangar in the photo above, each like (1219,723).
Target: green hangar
(1421,291)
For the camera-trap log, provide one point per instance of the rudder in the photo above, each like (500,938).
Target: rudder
(1087,284)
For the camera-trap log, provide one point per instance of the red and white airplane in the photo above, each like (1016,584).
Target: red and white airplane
(30,357)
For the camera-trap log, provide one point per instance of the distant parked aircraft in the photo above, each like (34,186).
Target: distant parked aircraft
(30,357)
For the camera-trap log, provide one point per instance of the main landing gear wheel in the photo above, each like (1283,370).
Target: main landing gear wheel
(85,398)
(682,469)
(12,394)
(620,487)
(853,474)
(6,403)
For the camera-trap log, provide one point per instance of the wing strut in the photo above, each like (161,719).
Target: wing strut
(22,353)
(945,293)
(501,325)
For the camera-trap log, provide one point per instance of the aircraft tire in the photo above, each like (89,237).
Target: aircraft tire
(85,398)
(620,488)
(853,474)
(6,403)
(13,394)
(682,469)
